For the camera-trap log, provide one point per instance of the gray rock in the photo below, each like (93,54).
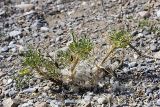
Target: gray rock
(30,90)
(41,104)
(158,13)
(25,6)
(14,33)
(55,103)
(69,102)
(102,100)
(10,103)
(28,104)
(153,48)
(2,74)
(9,81)
(132,64)
(44,29)
(10,92)
(158,102)
(36,24)
(144,14)
(4,49)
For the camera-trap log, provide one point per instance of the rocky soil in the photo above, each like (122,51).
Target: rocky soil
(46,24)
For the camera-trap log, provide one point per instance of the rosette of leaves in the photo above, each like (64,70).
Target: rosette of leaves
(120,39)
(78,50)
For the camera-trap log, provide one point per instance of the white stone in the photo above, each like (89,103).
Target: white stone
(144,14)
(9,81)
(42,104)
(158,102)
(158,13)
(157,55)
(25,6)
(14,33)
(102,100)
(44,29)
(10,103)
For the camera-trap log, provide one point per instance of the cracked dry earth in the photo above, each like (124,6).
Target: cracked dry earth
(46,24)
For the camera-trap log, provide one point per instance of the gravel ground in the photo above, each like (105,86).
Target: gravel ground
(46,24)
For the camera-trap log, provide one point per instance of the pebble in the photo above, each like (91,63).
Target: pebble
(25,6)
(4,49)
(55,103)
(144,14)
(28,104)
(158,102)
(158,13)
(9,81)
(44,29)
(132,64)
(14,33)
(30,90)
(153,48)
(69,102)
(41,104)
(10,103)
(102,100)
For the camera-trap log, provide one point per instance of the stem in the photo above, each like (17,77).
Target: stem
(106,57)
(98,67)
(73,72)
(137,51)
(57,81)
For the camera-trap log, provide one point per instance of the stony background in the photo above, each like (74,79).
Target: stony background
(46,24)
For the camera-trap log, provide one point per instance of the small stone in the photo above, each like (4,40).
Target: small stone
(14,33)
(158,13)
(9,81)
(2,74)
(102,100)
(132,64)
(144,14)
(25,6)
(30,90)
(10,103)
(28,104)
(55,103)
(36,24)
(153,48)
(4,49)
(44,29)
(69,102)
(157,55)
(140,35)
(134,33)
(158,102)
(41,104)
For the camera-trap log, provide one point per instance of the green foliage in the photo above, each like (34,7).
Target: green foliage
(120,39)
(32,58)
(43,66)
(52,70)
(144,23)
(78,48)
(64,58)
(22,78)
(81,47)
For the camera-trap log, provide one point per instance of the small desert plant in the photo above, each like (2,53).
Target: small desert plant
(22,78)
(144,23)
(49,68)
(43,66)
(78,50)
(117,39)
